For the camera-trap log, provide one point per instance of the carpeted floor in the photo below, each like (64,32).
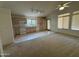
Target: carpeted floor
(52,45)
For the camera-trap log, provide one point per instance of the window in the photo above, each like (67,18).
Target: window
(63,21)
(31,23)
(48,24)
(60,22)
(66,22)
(75,21)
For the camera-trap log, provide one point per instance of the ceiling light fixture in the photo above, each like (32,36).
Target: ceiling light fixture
(36,11)
(61,8)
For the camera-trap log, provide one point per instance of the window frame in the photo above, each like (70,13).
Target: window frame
(30,24)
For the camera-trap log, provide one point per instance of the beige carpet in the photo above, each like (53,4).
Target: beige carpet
(52,45)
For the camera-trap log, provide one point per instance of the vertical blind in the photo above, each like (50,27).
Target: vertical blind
(75,22)
(63,22)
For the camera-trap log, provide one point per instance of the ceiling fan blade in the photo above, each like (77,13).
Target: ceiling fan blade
(66,6)
(59,5)
(66,3)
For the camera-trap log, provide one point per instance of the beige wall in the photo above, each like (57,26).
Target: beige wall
(6,30)
(1,48)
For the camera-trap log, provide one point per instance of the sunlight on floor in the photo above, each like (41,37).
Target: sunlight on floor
(32,36)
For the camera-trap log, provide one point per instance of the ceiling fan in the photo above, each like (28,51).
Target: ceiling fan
(62,6)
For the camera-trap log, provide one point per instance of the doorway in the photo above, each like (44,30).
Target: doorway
(48,25)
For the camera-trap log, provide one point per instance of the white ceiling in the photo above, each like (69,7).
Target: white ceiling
(24,7)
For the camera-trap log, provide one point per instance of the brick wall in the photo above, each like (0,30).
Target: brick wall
(20,28)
